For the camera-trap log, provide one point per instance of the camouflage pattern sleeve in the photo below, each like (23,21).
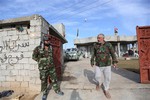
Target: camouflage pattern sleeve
(112,53)
(35,54)
(93,55)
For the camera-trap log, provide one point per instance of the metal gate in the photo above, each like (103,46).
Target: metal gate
(56,44)
(143,37)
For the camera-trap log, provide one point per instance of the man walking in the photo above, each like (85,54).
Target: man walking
(43,54)
(103,52)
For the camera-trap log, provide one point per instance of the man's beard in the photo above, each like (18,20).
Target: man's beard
(47,44)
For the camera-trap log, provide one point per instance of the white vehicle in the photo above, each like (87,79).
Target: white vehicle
(72,54)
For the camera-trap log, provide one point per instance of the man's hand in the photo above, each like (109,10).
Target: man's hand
(115,66)
(92,65)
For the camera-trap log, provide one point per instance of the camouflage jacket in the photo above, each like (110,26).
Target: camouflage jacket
(102,54)
(43,57)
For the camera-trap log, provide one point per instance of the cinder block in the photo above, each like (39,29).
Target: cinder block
(15,37)
(32,66)
(15,84)
(3,66)
(24,60)
(14,72)
(38,28)
(18,66)
(24,37)
(35,87)
(32,80)
(11,32)
(24,84)
(34,73)
(38,81)
(10,78)
(27,54)
(24,72)
(2,78)
(5,84)
(19,78)
(26,66)
(26,78)
(32,28)
(35,22)
(31,41)
(5,72)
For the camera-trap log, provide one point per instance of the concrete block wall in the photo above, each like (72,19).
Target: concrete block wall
(17,69)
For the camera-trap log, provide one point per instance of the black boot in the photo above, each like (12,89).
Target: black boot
(60,93)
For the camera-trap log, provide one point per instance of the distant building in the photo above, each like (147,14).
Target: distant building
(18,38)
(121,44)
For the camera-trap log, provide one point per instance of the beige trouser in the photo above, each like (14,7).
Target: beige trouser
(106,71)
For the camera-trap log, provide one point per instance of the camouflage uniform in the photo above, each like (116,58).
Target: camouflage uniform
(102,55)
(46,68)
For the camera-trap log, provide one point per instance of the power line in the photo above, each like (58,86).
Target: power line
(91,3)
(70,7)
(89,8)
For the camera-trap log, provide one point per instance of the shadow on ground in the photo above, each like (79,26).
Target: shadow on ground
(127,74)
(75,95)
(90,75)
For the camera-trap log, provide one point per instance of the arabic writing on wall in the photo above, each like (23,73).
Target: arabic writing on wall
(11,46)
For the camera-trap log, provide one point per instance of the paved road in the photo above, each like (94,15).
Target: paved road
(78,84)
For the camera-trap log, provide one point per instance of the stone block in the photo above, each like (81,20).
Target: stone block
(14,72)
(3,67)
(31,48)
(2,78)
(24,72)
(31,41)
(9,67)
(26,78)
(32,66)
(10,78)
(32,29)
(5,72)
(3,33)
(32,80)
(24,84)
(31,61)
(37,41)
(19,78)
(35,22)
(24,60)
(35,87)
(5,84)
(11,32)
(26,66)
(38,81)
(34,73)
(38,28)
(15,84)
(27,54)
(18,66)
(24,37)
(15,37)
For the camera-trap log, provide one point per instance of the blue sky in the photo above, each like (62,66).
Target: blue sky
(89,16)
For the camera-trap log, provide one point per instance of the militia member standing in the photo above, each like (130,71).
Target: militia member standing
(103,52)
(43,54)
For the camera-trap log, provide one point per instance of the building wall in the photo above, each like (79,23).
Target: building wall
(17,69)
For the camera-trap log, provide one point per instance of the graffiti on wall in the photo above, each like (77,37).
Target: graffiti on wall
(11,60)
(11,46)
